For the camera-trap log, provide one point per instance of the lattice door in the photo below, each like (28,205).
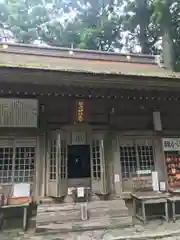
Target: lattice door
(98,166)
(62,165)
(57,165)
(17,160)
(136,156)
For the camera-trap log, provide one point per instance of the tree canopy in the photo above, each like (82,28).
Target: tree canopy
(107,25)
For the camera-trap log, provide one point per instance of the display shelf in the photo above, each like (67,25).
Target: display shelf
(172,160)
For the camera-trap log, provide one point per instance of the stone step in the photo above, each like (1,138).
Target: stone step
(92,224)
(64,213)
(74,216)
(58,217)
(101,214)
(56,207)
(119,212)
(114,204)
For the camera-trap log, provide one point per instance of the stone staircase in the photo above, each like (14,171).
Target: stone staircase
(68,217)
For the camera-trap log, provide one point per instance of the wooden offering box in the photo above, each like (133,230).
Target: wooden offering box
(19,200)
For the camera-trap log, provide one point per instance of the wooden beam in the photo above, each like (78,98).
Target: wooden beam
(46,77)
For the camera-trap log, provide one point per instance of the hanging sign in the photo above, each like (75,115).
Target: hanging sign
(171,144)
(80,111)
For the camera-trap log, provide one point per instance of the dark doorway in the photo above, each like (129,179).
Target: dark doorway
(79,161)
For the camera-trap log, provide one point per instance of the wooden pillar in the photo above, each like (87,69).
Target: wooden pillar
(157,121)
(159,154)
(160,165)
(117,169)
(40,167)
(43,165)
(37,169)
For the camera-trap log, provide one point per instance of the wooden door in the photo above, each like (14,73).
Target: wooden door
(98,166)
(57,165)
(62,164)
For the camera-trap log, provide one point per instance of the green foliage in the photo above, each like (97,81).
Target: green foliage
(166,16)
(160,9)
(93,28)
(138,22)
(97,25)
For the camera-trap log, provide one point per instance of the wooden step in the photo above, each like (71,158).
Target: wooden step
(91,224)
(107,214)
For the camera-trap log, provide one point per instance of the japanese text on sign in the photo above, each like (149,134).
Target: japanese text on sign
(80,111)
(171,144)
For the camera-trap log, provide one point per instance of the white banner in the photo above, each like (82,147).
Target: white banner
(171,144)
(155,181)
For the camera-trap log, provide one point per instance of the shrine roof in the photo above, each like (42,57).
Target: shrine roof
(84,61)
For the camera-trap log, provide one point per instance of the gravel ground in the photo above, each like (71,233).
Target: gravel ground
(95,235)
(145,232)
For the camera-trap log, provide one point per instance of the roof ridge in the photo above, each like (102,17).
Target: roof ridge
(77,53)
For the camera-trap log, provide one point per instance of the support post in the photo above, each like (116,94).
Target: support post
(157,121)
(117,169)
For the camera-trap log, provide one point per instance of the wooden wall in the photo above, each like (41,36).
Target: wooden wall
(122,115)
(119,108)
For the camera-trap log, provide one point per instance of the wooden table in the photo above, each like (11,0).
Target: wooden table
(25,212)
(173,200)
(149,198)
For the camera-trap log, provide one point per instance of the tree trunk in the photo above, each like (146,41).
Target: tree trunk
(168,50)
(143,38)
(143,42)
(168,46)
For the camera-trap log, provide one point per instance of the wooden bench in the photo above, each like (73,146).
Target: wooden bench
(173,200)
(25,213)
(149,198)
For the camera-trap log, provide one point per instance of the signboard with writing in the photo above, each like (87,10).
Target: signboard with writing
(80,111)
(171,144)
(18,112)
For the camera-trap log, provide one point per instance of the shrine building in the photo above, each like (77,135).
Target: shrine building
(78,118)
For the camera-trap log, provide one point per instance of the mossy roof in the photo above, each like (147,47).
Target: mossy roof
(19,58)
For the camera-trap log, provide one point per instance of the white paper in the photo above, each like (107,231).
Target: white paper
(116,178)
(21,190)
(162,186)
(143,172)
(70,190)
(80,192)
(155,182)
